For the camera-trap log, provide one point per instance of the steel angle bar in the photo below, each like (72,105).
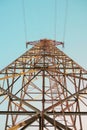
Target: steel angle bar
(25,103)
(58,103)
(67,113)
(27,82)
(17,112)
(25,123)
(58,125)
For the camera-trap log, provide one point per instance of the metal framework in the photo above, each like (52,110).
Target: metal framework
(43,89)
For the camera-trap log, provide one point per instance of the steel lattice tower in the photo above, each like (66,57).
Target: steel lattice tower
(43,89)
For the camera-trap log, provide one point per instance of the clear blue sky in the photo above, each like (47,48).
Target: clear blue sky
(40,24)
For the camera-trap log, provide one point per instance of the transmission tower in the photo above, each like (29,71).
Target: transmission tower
(43,89)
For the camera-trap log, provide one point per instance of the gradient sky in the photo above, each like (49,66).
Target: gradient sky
(40,23)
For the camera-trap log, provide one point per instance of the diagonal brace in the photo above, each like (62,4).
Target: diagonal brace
(25,123)
(56,124)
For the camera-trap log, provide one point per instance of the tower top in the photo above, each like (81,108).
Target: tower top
(46,41)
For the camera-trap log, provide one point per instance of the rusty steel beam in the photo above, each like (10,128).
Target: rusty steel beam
(67,113)
(67,98)
(25,123)
(14,96)
(17,112)
(56,124)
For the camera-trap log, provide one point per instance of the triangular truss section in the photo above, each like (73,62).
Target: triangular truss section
(43,89)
